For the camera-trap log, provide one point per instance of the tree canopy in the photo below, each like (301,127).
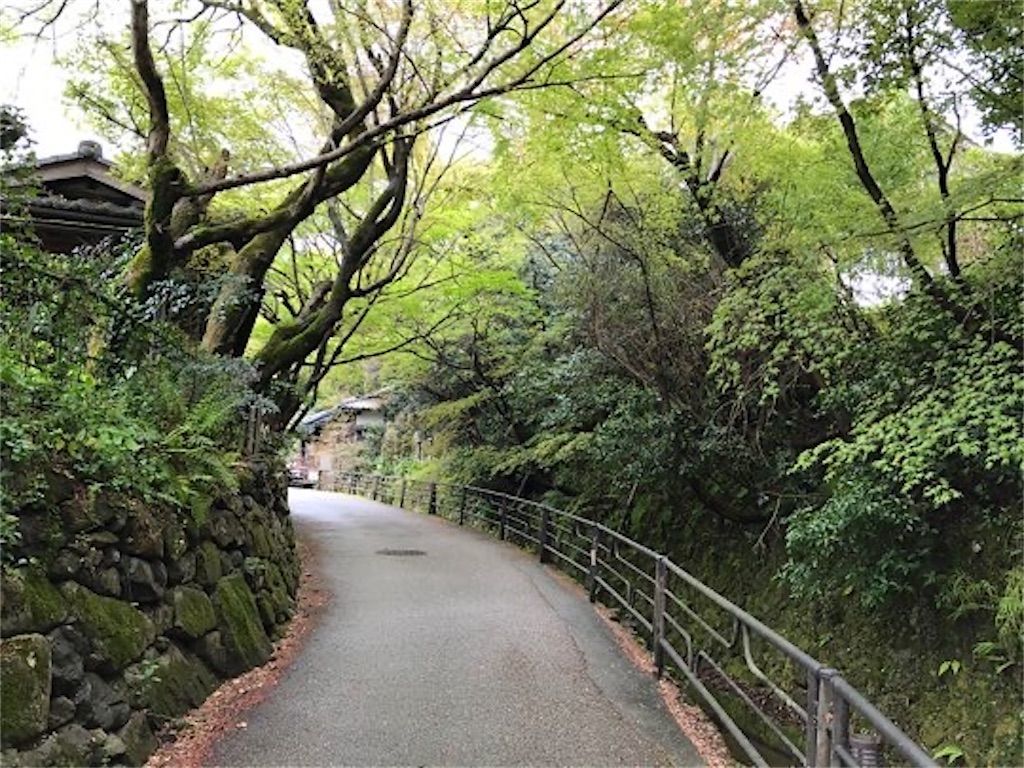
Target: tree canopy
(694,266)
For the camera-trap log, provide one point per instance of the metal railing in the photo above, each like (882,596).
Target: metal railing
(717,649)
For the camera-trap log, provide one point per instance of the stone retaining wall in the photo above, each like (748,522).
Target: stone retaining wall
(118,616)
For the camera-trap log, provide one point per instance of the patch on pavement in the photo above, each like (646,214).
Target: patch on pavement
(401,552)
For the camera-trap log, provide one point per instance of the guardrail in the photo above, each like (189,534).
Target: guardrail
(712,644)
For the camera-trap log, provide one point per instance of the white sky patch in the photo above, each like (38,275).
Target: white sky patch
(871,289)
(30,79)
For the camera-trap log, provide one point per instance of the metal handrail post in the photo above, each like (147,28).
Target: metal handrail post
(462,507)
(543,537)
(502,519)
(401,494)
(595,534)
(811,725)
(823,751)
(432,506)
(658,618)
(840,729)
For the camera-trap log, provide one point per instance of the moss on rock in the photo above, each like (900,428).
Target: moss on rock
(208,568)
(138,738)
(240,626)
(267,611)
(260,543)
(170,684)
(71,746)
(30,603)
(175,540)
(143,534)
(118,632)
(25,693)
(193,612)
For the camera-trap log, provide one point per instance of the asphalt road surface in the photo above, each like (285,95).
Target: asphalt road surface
(470,654)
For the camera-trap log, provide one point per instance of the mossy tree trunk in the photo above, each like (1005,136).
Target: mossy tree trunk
(374,126)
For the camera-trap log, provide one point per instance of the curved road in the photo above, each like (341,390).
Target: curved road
(471,654)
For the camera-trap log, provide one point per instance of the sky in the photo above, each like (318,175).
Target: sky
(31,80)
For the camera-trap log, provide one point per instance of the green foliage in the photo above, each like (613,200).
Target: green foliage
(860,543)
(995,34)
(1010,614)
(573,328)
(962,595)
(951,753)
(96,387)
(10,536)
(204,120)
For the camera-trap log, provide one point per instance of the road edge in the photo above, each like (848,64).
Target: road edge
(190,743)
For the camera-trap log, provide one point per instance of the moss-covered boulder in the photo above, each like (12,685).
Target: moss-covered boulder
(182,570)
(79,513)
(117,632)
(139,741)
(169,684)
(208,569)
(259,543)
(25,689)
(241,629)
(101,704)
(41,529)
(268,611)
(145,582)
(225,528)
(71,746)
(29,602)
(143,533)
(193,612)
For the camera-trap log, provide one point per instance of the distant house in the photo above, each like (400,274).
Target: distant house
(331,439)
(80,201)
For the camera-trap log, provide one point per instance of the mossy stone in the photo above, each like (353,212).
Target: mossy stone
(30,603)
(25,693)
(118,632)
(175,540)
(170,684)
(1007,742)
(79,513)
(260,543)
(193,612)
(200,511)
(71,746)
(138,738)
(225,528)
(143,534)
(208,568)
(267,609)
(275,579)
(240,626)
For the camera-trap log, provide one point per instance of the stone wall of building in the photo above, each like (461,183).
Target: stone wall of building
(119,616)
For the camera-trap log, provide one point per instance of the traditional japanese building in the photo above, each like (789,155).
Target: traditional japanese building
(80,202)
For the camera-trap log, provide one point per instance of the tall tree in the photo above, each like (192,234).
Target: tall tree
(385,74)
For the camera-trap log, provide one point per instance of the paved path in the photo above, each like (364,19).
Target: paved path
(472,654)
